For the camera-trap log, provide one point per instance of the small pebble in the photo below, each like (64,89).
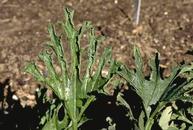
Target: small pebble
(14,97)
(165,13)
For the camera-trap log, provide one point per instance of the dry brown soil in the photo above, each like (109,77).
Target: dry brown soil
(165,26)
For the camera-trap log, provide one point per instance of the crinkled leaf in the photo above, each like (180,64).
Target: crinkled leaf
(33,69)
(70,88)
(53,122)
(59,51)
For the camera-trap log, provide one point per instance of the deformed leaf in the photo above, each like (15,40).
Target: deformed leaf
(67,84)
(59,51)
(33,69)
(53,122)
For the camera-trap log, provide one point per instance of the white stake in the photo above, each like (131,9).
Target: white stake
(137,6)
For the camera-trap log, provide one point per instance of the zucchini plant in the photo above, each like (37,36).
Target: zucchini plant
(71,87)
(157,93)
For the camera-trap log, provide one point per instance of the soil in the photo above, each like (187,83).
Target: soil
(166,26)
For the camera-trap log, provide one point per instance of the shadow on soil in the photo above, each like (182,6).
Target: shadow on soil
(103,107)
(14,117)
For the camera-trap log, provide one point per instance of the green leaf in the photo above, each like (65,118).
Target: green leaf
(173,128)
(182,117)
(59,51)
(69,25)
(165,118)
(33,69)
(141,121)
(93,42)
(155,89)
(111,125)
(52,120)
(68,85)
(97,80)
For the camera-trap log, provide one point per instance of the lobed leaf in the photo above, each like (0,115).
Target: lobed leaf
(155,89)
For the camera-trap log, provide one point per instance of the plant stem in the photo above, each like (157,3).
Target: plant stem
(74,125)
(150,121)
(91,99)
